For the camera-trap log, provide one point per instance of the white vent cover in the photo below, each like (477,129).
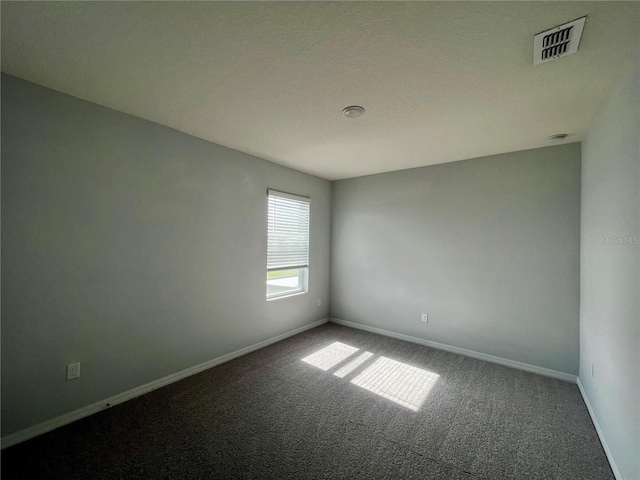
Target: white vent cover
(558,41)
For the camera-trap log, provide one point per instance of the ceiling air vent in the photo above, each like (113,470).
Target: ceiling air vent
(558,41)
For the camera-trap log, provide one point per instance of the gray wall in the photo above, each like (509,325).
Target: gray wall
(488,247)
(610,285)
(132,248)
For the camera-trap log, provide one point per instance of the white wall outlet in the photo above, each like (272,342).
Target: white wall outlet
(425,318)
(73,371)
(319,302)
(593,369)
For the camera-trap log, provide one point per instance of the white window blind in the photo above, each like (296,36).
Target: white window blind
(288,231)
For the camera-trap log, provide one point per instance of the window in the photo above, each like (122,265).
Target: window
(287,244)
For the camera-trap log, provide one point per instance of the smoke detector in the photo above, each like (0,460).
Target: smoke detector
(558,41)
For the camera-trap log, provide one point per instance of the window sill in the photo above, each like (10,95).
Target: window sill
(286,295)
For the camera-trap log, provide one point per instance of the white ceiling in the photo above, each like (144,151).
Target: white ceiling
(440,81)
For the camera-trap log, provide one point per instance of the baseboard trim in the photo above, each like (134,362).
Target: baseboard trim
(603,440)
(70,417)
(567,377)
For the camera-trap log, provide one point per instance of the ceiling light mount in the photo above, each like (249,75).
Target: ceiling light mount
(558,137)
(353,111)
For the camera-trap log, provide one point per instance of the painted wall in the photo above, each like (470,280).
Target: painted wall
(610,265)
(488,247)
(132,248)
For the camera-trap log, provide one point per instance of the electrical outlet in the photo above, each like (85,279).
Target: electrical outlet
(319,302)
(593,369)
(425,318)
(73,371)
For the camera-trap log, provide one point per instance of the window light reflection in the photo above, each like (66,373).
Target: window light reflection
(403,384)
(353,364)
(330,356)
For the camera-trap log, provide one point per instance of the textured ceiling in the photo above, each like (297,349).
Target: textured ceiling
(440,81)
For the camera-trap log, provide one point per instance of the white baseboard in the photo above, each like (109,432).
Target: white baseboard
(83,412)
(567,377)
(603,440)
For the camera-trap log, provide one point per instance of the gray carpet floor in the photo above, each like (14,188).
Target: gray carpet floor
(271,415)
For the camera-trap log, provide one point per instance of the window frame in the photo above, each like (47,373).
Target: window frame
(302,268)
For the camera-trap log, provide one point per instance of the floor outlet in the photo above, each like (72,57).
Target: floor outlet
(73,371)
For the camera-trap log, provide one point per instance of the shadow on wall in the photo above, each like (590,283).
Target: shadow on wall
(396,381)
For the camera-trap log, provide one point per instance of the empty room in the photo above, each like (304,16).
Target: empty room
(320,240)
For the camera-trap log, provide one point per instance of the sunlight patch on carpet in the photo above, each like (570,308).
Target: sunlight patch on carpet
(401,383)
(330,356)
(353,364)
